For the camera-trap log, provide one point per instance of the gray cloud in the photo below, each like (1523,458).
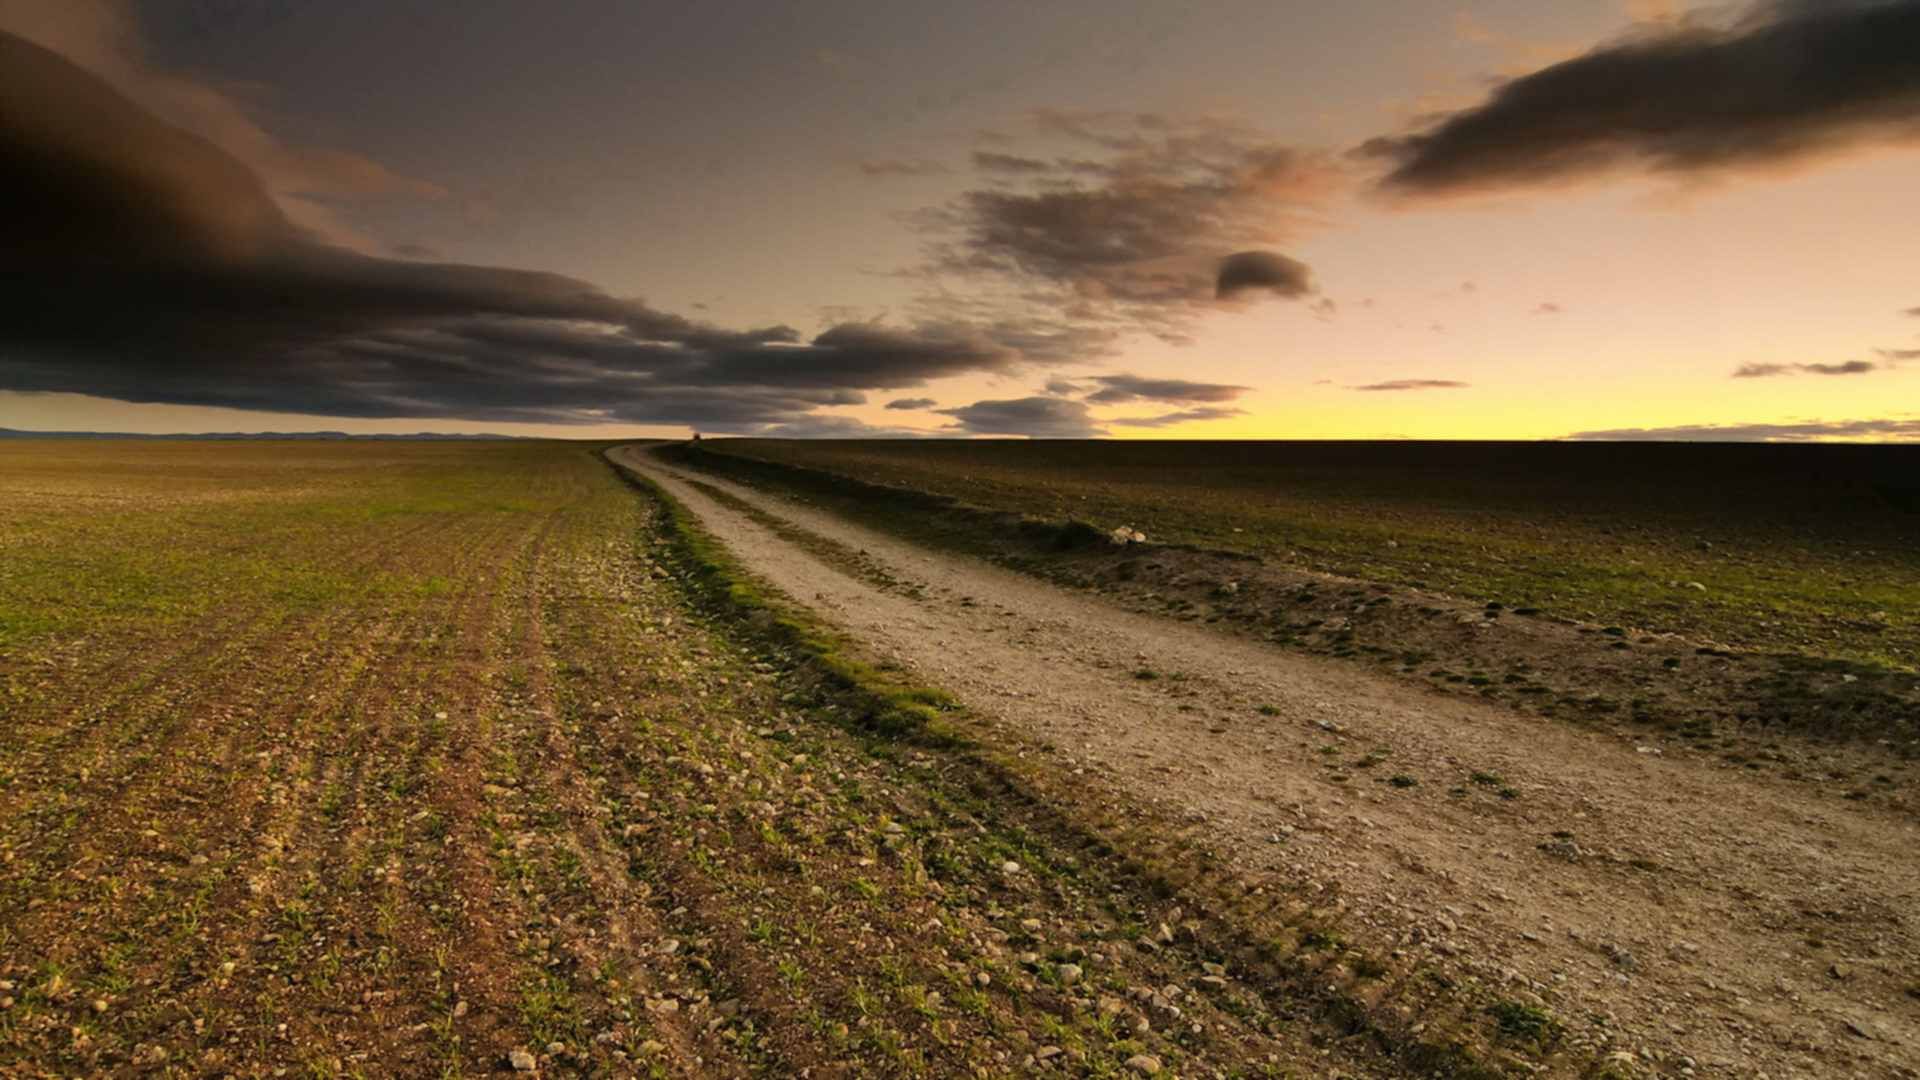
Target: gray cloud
(1037,417)
(1790,81)
(1412,384)
(1762,371)
(911,404)
(1898,355)
(1896,430)
(991,161)
(1065,387)
(883,167)
(1262,271)
(144,264)
(1121,388)
(837,427)
(1547,307)
(1134,237)
(1181,417)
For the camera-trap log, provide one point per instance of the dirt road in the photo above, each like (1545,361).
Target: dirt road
(1703,919)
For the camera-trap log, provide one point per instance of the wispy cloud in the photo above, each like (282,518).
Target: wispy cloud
(883,167)
(1412,384)
(1183,416)
(1889,430)
(1153,220)
(1764,371)
(1116,389)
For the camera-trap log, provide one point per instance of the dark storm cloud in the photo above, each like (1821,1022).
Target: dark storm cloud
(912,404)
(1116,389)
(1181,417)
(143,264)
(1412,384)
(1763,371)
(1787,82)
(1262,271)
(1038,417)
(1807,431)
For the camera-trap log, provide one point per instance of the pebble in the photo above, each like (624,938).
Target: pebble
(522,1060)
(1144,1064)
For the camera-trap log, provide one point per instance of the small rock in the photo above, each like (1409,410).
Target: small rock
(1840,971)
(1069,974)
(1047,1053)
(522,1059)
(1144,1064)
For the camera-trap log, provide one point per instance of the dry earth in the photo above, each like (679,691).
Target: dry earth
(503,798)
(1707,921)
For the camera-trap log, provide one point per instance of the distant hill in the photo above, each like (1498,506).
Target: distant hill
(420,436)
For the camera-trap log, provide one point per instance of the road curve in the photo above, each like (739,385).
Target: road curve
(1730,921)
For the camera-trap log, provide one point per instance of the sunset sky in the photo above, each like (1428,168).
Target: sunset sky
(1516,219)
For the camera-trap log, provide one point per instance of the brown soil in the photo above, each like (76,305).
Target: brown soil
(1656,899)
(552,814)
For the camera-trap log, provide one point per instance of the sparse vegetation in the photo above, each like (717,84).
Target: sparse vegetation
(446,758)
(1563,529)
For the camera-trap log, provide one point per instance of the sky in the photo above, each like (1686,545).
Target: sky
(593,218)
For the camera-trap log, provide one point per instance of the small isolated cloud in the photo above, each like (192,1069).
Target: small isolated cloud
(1898,355)
(1262,271)
(1413,384)
(911,404)
(1116,389)
(1035,417)
(1887,430)
(1324,308)
(1065,388)
(1765,371)
(900,167)
(1012,164)
(1182,417)
(1790,81)
(1547,307)
(1914,311)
